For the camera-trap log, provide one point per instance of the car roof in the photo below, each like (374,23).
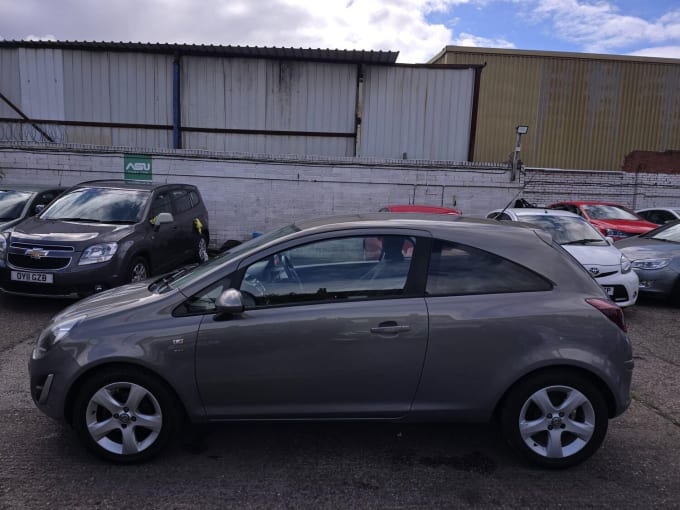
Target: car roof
(421,208)
(129,184)
(589,202)
(431,222)
(662,208)
(35,188)
(533,211)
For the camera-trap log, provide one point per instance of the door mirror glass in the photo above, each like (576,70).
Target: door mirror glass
(164,217)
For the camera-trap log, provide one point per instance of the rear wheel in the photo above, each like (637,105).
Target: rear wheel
(125,416)
(555,419)
(139,270)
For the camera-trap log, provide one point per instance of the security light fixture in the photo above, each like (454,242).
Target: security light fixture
(522,130)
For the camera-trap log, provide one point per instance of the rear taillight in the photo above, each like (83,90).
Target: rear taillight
(612,311)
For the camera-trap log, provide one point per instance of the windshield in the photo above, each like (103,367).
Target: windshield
(669,232)
(101,205)
(609,212)
(189,275)
(566,229)
(12,204)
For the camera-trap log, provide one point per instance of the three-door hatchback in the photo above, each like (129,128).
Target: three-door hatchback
(102,234)
(457,320)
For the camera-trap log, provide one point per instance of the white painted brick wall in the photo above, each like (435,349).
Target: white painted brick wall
(245,194)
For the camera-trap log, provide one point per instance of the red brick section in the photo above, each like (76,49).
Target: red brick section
(667,162)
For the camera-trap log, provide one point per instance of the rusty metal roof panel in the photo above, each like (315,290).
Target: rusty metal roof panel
(313,54)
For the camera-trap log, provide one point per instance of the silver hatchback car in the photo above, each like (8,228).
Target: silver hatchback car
(458,320)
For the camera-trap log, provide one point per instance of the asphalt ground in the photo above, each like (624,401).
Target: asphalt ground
(42,464)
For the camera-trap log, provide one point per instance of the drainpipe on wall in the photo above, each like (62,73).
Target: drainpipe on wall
(358,107)
(176,104)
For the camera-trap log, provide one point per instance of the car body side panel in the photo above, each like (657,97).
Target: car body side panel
(317,360)
(480,345)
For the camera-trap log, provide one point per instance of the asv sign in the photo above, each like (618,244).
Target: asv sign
(137,167)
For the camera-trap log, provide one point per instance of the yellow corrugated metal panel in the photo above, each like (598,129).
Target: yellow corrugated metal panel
(585,113)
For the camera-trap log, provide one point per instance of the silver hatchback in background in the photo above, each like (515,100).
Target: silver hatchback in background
(455,320)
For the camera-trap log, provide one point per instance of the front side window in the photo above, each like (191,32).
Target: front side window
(457,269)
(343,269)
(100,205)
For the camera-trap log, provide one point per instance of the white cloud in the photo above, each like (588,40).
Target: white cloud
(600,27)
(465,39)
(660,51)
(397,25)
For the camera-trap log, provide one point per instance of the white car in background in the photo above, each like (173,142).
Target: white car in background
(660,215)
(610,268)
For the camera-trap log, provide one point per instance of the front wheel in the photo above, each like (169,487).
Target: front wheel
(125,416)
(138,271)
(555,419)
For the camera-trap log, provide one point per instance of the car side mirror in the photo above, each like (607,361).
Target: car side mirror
(230,302)
(610,240)
(164,217)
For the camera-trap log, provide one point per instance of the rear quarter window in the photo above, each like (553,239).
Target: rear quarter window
(457,269)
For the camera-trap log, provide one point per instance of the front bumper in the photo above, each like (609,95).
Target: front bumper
(72,282)
(659,282)
(50,378)
(625,287)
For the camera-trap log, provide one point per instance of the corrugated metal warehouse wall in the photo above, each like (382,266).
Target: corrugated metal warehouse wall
(332,105)
(417,113)
(583,111)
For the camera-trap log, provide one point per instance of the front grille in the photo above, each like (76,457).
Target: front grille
(26,262)
(40,246)
(620,293)
(602,275)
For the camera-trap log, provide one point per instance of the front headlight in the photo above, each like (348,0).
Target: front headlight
(3,244)
(98,253)
(651,263)
(53,334)
(626,266)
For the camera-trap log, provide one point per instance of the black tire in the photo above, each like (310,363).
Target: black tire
(546,436)
(138,270)
(140,414)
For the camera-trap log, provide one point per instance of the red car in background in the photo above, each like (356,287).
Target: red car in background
(427,209)
(373,247)
(612,220)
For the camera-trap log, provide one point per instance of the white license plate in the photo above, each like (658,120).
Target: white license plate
(609,290)
(25,276)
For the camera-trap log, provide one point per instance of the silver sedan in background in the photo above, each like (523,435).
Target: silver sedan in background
(455,320)
(656,260)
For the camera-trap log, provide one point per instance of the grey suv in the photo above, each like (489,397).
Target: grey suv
(101,234)
(455,320)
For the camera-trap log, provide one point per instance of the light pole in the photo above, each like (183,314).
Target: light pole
(521,130)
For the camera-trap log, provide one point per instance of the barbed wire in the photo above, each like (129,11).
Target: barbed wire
(27,132)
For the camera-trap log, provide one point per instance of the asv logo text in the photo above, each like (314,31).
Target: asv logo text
(139,167)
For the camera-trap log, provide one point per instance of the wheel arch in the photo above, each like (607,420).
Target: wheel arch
(72,394)
(596,381)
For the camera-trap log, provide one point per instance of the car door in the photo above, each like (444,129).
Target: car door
(166,243)
(325,333)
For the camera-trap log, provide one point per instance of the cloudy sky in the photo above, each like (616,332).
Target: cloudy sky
(418,29)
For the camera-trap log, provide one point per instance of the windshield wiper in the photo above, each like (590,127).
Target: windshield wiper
(119,222)
(585,241)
